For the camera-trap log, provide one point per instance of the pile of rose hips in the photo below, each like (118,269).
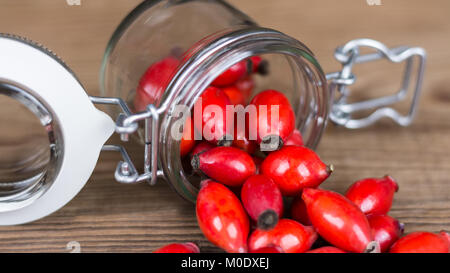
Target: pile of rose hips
(240,206)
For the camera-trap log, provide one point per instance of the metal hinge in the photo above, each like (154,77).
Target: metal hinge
(126,124)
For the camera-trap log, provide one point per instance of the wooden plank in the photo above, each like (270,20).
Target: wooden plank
(109,217)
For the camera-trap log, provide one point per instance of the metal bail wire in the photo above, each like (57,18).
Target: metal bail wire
(126,124)
(349,55)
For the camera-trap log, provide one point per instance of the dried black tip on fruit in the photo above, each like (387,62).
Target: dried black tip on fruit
(195,162)
(225,141)
(267,220)
(330,169)
(249,66)
(271,143)
(263,68)
(373,247)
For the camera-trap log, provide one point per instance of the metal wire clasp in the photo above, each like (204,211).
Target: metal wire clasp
(348,55)
(126,124)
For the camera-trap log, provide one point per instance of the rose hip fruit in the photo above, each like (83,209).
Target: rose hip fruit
(201,147)
(259,65)
(295,139)
(269,249)
(422,242)
(272,131)
(294,168)
(446,235)
(213,124)
(233,74)
(262,200)
(221,217)
(290,236)
(246,86)
(235,95)
(327,249)
(178,248)
(154,82)
(241,139)
(227,165)
(338,220)
(187,140)
(299,212)
(373,195)
(244,144)
(385,230)
(240,70)
(258,161)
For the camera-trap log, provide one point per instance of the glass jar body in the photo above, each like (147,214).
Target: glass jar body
(213,36)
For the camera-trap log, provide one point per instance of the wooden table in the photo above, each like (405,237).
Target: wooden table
(110,217)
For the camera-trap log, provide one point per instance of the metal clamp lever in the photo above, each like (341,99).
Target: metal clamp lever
(127,123)
(348,55)
(126,171)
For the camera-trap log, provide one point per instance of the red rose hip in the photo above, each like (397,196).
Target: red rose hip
(211,115)
(290,236)
(269,249)
(373,195)
(271,130)
(299,212)
(227,165)
(178,248)
(233,74)
(446,235)
(326,249)
(246,86)
(240,70)
(235,95)
(385,229)
(262,200)
(154,82)
(187,140)
(241,138)
(422,242)
(338,220)
(221,217)
(259,65)
(295,139)
(201,147)
(294,168)
(258,161)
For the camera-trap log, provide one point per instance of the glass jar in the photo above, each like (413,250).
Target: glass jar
(214,36)
(208,36)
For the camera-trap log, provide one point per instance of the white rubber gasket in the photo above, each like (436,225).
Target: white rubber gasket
(84,128)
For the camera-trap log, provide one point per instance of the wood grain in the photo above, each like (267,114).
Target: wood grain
(108,217)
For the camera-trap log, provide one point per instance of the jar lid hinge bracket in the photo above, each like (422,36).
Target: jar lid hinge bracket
(126,124)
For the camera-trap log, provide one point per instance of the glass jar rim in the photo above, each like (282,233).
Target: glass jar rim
(31,188)
(207,60)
